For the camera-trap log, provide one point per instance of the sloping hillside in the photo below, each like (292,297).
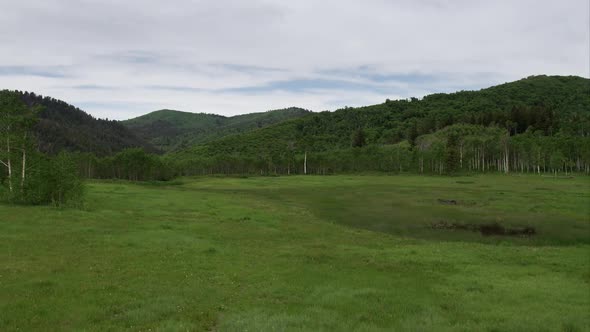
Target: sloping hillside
(546,104)
(62,126)
(172,130)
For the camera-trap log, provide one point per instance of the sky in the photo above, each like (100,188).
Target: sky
(121,59)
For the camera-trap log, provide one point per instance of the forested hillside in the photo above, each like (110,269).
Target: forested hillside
(62,126)
(541,122)
(538,124)
(173,130)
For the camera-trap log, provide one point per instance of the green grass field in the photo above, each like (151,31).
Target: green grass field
(302,253)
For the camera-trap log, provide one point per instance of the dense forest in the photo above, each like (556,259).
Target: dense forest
(539,124)
(171,130)
(61,126)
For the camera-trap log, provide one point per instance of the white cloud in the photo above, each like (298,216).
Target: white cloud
(120,59)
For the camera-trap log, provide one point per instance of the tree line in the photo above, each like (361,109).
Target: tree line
(459,148)
(540,122)
(462,148)
(538,125)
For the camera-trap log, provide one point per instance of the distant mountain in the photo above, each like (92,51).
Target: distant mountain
(548,105)
(62,126)
(171,130)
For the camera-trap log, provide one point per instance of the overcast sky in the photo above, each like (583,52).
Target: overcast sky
(120,59)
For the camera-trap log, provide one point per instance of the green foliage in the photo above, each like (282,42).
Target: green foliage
(130,164)
(26,175)
(51,180)
(455,149)
(486,129)
(452,154)
(66,186)
(539,124)
(358,138)
(172,130)
(61,126)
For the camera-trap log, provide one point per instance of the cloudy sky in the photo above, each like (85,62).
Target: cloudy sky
(120,59)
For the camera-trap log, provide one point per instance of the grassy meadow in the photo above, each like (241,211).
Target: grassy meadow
(302,254)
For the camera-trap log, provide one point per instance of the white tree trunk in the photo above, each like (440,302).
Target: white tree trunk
(305,163)
(506,158)
(23,172)
(9,164)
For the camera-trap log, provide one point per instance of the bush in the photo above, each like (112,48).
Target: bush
(64,184)
(49,181)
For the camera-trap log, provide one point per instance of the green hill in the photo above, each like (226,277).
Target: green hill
(62,126)
(544,106)
(172,130)
(540,123)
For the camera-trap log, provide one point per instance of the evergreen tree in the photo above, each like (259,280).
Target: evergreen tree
(358,138)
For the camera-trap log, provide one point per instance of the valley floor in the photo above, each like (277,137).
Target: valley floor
(341,253)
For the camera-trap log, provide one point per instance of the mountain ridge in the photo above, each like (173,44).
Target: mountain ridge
(62,126)
(171,129)
(547,104)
